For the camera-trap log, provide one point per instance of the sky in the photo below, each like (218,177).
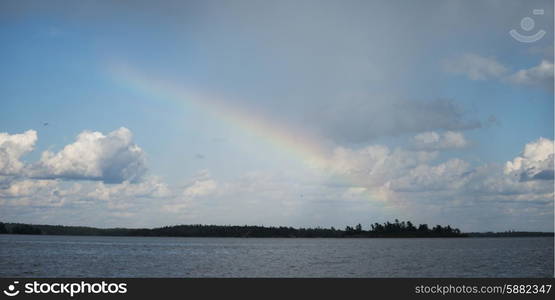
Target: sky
(295,113)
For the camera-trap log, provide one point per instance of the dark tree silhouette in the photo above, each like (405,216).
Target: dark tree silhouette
(387,229)
(25,229)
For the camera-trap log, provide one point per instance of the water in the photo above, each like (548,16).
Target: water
(85,256)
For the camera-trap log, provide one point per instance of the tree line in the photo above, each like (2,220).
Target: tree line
(387,229)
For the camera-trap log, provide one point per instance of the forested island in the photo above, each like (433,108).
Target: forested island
(386,230)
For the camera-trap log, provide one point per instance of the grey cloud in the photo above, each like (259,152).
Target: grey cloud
(355,121)
(541,175)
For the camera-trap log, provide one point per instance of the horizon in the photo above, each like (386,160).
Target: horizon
(367,228)
(300,114)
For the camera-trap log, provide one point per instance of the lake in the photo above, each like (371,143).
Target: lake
(100,256)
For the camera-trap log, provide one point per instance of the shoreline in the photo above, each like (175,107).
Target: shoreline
(246,231)
(280,237)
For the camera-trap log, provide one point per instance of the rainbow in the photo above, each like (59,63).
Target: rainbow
(293,141)
(312,151)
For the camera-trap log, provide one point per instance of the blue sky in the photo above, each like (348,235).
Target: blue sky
(299,113)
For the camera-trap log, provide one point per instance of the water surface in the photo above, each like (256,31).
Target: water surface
(95,256)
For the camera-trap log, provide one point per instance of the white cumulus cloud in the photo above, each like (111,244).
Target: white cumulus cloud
(534,163)
(111,158)
(12,147)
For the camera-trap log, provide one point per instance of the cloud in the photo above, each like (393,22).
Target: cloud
(540,75)
(200,188)
(360,119)
(128,196)
(112,158)
(432,140)
(375,178)
(444,176)
(490,181)
(377,167)
(60,193)
(12,147)
(151,187)
(417,176)
(39,193)
(27,187)
(374,165)
(534,163)
(353,182)
(475,67)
